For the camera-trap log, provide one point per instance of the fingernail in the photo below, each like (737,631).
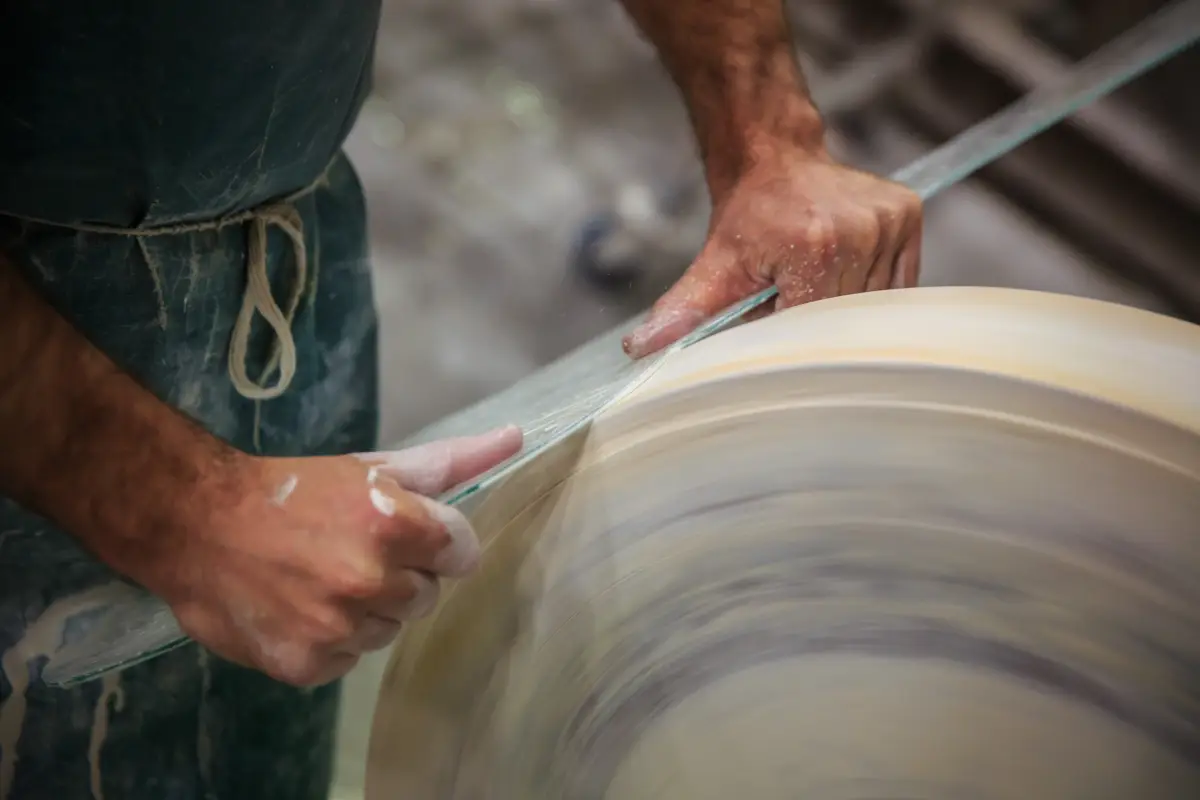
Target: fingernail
(461,556)
(426,598)
(635,343)
(508,435)
(664,328)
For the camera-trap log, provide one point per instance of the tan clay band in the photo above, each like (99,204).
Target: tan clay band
(936,543)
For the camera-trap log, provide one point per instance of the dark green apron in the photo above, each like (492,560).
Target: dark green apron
(163,117)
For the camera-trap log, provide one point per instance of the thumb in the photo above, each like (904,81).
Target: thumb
(432,468)
(711,284)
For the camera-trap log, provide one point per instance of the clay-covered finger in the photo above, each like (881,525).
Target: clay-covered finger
(461,555)
(374,633)
(422,533)
(434,537)
(436,467)
(408,595)
(328,670)
(299,663)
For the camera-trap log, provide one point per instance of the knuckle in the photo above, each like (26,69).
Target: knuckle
(292,663)
(329,625)
(820,230)
(292,675)
(868,229)
(301,676)
(436,538)
(357,582)
(425,592)
(192,621)
(905,204)
(406,589)
(423,469)
(428,534)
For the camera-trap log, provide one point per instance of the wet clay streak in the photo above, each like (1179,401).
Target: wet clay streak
(43,638)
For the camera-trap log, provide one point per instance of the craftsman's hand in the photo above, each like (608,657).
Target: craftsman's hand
(800,221)
(323,559)
(293,566)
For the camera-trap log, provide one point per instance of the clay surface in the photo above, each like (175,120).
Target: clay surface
(935,543)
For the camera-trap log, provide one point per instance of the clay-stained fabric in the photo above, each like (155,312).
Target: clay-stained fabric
(145,114)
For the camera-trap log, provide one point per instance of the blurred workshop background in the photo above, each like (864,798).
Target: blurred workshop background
(532,179)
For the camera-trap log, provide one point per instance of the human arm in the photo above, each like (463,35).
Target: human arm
(290,566)
(90,449)
(784,211)
(735,67)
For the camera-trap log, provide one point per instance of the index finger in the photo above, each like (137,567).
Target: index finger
(436,467)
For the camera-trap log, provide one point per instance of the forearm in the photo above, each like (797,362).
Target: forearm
(87,447)
(734,63)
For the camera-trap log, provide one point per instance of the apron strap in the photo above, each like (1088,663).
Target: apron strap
(258,297)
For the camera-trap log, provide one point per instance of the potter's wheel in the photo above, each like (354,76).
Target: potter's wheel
(936,543)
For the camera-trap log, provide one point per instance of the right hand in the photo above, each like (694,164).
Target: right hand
(325,558)
(810,226)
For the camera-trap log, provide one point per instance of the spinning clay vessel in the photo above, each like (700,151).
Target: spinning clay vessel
(936,543)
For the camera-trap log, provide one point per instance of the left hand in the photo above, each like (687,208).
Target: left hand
(314,561)
(810,226)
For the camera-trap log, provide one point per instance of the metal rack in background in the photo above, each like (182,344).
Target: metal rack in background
(1118,182)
